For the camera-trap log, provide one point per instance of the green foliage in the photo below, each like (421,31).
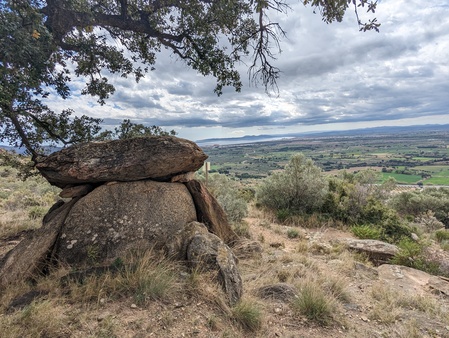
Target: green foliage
(226,191)
(37,212)
(418,202)
(300,188)
(292,233)
(283,214)
(442,235)
(412,254)
(354,200)
(127,130)
(366,232)
(242,229)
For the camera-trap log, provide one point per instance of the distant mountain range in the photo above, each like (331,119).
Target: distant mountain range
(353,132)
(268,137)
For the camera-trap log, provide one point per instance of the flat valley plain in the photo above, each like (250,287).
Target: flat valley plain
(409,157)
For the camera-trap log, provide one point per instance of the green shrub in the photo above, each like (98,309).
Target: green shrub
(37,212)
(292,233)
(366,232)
(442,235)
(355,200)
(300,188)
(282,215)
(242,229)
(418,202)
(412,254)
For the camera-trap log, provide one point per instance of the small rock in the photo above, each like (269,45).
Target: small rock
(277,310)
(277,245)
(247,249)
(281,291)
(133,306)
(365,319)
(76,191)
(415,237)
(377,251)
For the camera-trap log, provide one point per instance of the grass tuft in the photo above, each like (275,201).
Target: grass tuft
(248,315)
(313,303)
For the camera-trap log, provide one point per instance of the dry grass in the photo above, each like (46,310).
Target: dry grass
(143,277)
(386,308)
(15,221)
(248,314)
(39,319)
(314,303)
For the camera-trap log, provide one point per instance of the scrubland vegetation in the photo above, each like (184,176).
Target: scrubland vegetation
(294,214)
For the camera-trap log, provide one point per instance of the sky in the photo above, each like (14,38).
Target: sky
(333,78)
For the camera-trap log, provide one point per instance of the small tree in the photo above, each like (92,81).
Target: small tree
(300,188)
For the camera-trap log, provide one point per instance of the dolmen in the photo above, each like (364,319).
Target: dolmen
(125,195)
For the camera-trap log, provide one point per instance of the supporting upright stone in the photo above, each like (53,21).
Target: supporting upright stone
(210,213)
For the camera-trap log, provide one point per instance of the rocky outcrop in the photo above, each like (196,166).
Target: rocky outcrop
(377,251)
(128,195)
(412,281)
(158,158)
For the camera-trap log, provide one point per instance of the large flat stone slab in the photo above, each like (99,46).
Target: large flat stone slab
(154,157)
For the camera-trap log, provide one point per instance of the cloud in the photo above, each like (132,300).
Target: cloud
(330,74)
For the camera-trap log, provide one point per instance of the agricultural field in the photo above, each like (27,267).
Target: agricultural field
(410,158)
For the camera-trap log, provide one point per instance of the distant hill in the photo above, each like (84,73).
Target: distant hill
(365,131)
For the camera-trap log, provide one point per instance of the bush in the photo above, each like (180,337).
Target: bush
(292,233)
(300,188)
(355,200)
(442,235)
(419,202)
(37,212)
(428,221)
(412,254)
(282,215)
(366,232)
